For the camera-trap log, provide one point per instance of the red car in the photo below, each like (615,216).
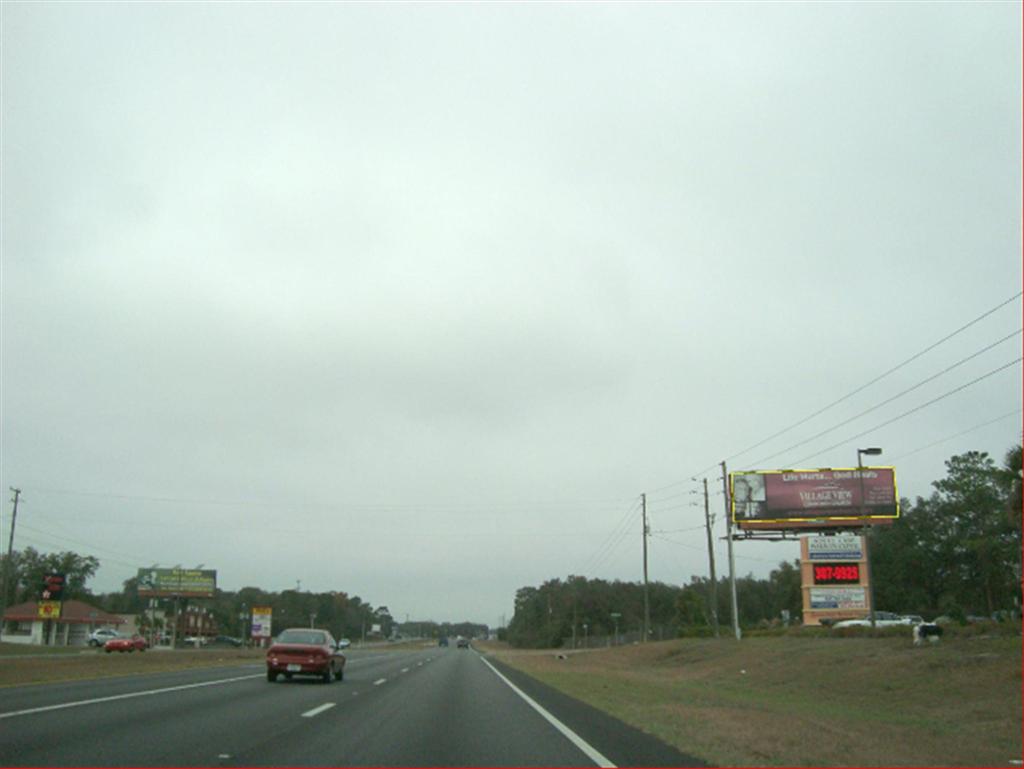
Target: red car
(305,652)
(126,644)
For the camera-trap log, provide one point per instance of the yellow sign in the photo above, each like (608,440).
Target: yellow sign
(49,609)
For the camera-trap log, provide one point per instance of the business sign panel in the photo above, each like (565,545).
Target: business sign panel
(840,547)
(186,583)
(781,499)
(261,617)
(836,573)
(838,598)
(49,609)
(53,587)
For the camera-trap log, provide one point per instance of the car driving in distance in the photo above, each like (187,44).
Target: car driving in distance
(305,652)
(126,644)
(442,641)
(462,643)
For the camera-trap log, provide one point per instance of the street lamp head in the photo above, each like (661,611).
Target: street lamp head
(872,452)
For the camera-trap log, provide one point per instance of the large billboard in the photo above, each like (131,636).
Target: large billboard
(806,499)
(185,583)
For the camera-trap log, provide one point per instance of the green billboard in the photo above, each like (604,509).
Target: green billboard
(186,583)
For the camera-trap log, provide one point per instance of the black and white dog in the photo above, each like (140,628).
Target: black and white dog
(928,630)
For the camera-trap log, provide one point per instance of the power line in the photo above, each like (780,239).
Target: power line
(677,531)
(957,435)
(47,542)
(354,506)
(878,378)
(911,411)
(933,377)
(76,542)
(620,529)
(681,544)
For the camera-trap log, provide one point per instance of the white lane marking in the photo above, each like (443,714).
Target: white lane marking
(224,755)
(130,695)
(380,681)
(419,664)
(405,670)
(319,710)
(591,752)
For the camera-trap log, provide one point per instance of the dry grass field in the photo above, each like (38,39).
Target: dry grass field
(791,701)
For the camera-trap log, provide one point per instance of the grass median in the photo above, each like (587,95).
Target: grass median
(806,701)
(38,665)
(22,664)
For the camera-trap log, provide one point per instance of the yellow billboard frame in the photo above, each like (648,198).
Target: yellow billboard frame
(772,523)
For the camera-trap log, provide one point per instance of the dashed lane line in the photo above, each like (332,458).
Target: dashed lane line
(380,681)
(319,710)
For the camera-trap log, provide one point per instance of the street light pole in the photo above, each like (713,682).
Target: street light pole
(871,452)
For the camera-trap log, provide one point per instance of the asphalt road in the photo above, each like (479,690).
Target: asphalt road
(432,707)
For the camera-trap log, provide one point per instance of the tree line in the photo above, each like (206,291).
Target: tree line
(337,611)
(955,553)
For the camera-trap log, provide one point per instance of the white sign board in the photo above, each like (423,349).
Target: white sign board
(841,547)
(261,616)
(374,628)
(838,598)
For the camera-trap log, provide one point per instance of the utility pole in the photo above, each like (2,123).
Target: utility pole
(647,603)
(4,578)
(732,559)
(711,562)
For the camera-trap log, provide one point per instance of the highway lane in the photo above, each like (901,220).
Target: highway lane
(429,707)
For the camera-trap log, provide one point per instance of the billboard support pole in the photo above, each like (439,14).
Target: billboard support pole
(863,511)
(711,562)
(732,559)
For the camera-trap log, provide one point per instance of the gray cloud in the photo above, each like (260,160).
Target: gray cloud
(384,296)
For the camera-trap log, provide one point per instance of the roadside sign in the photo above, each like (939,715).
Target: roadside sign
(49,609)
(841,547)
(186,583)
(838,598)
(53,587)
(261,621)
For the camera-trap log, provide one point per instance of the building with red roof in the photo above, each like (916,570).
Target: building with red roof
(24,623)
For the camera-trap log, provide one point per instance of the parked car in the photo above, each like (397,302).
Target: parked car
(101,636)
(226,640)
(344,643)
(194,640)
(126,644)
(882,619)
(305,652)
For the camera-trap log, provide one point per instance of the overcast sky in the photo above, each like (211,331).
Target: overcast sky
(414,301)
